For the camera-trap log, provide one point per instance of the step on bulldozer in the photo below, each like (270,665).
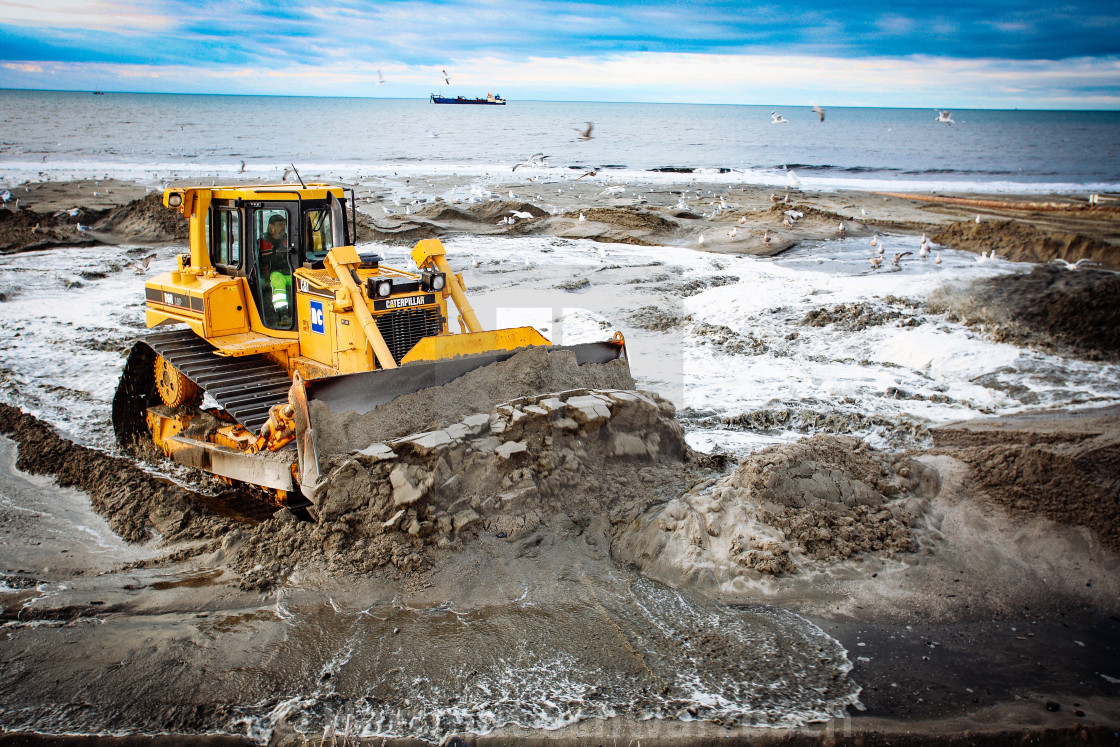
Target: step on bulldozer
(274,307)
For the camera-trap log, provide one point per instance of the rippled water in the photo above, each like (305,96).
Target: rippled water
(151,136)
(611,647)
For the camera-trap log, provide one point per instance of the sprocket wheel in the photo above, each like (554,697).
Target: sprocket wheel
(174,388)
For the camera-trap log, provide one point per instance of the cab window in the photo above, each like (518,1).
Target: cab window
(319,239)
(226,249)
(274,272)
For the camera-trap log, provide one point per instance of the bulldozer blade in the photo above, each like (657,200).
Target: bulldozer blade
(362,392)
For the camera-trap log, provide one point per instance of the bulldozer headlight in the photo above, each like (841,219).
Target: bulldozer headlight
(175,199)
(432,281)
(384,288)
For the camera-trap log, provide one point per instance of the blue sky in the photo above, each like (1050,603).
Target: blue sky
(993,53)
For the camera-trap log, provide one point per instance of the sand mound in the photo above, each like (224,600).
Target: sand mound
(564,460)
(1078,491)
(132,501)
(146,219)
(1023,243)
(821,500)
(1071,311)
(529,372)
(27,230)
(627,217)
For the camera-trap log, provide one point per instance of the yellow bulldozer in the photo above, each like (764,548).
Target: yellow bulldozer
(280,309)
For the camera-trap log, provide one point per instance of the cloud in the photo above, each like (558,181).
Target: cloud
(90,15)
(24,67)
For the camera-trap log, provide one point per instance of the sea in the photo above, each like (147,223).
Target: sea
(156,137)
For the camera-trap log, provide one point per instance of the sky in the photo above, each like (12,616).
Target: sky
(998,54)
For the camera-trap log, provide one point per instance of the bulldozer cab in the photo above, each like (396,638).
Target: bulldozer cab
(266,241)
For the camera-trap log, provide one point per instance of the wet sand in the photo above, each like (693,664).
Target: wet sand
(1007,605)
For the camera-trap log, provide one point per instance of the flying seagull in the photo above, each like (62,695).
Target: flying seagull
(446,77)
(537,159)
(380,77)
(585,134)
(776,118)
(818,111)
(946,117)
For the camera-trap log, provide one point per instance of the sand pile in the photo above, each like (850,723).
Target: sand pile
(565,461)
(531,371)
(1074,312)
(146,219)
(822,500)
(28,230)
(1020,242)
(850,317)
(135,504)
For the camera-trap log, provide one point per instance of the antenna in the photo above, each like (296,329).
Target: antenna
(298,176)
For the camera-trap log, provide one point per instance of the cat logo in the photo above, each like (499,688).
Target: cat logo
(317,317)
(169,298)
(303,286)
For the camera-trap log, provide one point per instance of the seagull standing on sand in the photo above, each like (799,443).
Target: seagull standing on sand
(876,263)
(818,111)
(874,240)
(840,229)
(701,240)
(923,251)
(582,217)
(937,259)
(585,134)
(776,118)
(946,117)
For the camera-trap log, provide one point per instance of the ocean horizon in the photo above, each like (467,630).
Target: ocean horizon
(155,137)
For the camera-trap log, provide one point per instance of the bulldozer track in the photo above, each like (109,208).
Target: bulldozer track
(245,386)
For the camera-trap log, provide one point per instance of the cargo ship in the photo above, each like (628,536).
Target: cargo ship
(491,98)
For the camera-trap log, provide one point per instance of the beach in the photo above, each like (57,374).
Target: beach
(986,612)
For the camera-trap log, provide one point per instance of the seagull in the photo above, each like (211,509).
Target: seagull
(242,169)
(946,117)
(592,172)
(925,239)
(937,259)
(979,220)
(733,232)
(446,77)
(521,215)
(380,77)
(880,249)
(818,111)
(602,253)
(742,220)
(582,217)
(284,178)
(1084,262)
(476,264)
(876,263)
(787,222)
(681,204)
(700,240)
(874,240)
(776,118)
(537,159)
(774,198)
(513,196)
(897,261)
(766,237)
(5,195)
(923,251)
(82,228)
(387,211)
(982,258)
(585,134)
(141,265)
(840,229)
